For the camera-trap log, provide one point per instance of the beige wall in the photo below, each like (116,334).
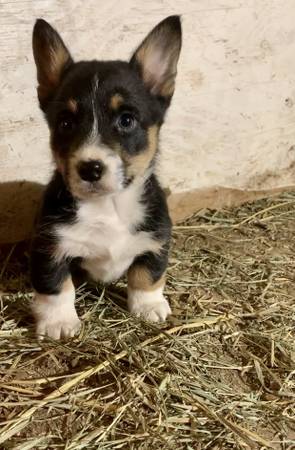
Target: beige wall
(232,122)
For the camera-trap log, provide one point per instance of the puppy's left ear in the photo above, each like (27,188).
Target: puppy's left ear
(157,57)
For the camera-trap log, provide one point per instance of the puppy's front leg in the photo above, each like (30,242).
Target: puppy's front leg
(53,305)
(146,281)
(55,314)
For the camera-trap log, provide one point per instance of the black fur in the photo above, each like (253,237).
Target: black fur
(59,206)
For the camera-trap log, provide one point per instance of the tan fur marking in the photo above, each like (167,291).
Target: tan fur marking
(116,101)
(139,163)
(140,278)
(60,164)
(59,161)
(72,105)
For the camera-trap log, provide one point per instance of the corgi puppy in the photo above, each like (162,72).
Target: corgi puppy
(104,209)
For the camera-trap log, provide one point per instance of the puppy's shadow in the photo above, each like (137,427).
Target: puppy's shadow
(19,203)
(15,289)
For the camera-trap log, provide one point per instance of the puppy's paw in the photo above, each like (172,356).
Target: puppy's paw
(58,329)
(150,305)
(54,318)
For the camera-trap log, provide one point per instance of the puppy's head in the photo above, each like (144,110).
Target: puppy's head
(104,116)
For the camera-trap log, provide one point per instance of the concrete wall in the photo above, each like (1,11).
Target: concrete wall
(232,122)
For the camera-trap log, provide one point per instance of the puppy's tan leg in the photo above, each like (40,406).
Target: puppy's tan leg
(145,295)
(56,315)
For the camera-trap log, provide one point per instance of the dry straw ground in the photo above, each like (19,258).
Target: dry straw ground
(220,374)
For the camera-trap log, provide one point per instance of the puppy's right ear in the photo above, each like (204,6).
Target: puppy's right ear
(52,58)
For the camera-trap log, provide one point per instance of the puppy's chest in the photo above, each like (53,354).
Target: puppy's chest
(104,235)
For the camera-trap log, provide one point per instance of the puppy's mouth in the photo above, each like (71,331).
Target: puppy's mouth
(96,188)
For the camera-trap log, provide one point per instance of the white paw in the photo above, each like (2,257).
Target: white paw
(58,329)
(150,305)
(56,315)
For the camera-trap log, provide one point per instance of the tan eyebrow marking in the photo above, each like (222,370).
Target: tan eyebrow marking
(116,101)
(72,105)
(137,164)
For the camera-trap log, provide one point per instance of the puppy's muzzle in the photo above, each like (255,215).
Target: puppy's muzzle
(91,170)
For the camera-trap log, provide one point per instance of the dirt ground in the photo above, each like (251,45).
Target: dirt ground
(220,374)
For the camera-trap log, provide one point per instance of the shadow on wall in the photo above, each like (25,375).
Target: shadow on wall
(19,203)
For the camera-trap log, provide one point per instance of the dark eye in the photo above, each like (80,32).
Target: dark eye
(66,123)
(126,122)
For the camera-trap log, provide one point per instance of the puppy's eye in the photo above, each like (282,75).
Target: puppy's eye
(66,124)
(126,122)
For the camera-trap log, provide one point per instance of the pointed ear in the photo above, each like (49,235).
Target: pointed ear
(156,58)
(51,58)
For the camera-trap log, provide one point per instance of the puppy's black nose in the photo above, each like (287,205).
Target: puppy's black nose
(90,170)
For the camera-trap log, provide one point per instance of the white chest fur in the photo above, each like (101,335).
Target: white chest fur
(104,234)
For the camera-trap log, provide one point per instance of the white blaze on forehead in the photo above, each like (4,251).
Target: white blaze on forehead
(94,130)
(95,83)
